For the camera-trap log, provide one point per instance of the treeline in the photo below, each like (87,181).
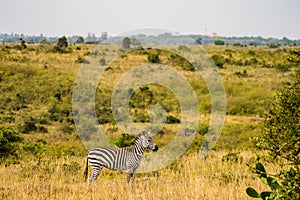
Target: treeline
(166,38)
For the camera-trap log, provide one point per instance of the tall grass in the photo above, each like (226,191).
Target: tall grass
(36,89)
(219,176)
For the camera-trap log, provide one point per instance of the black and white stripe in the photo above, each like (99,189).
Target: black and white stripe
(126,159)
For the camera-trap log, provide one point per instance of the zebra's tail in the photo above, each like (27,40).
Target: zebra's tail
(86,169)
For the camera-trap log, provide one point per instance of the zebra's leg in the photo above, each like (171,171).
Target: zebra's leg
(130,175)
(94,175)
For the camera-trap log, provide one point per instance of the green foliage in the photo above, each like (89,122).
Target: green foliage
(172,120)
(294,56)
(8,143)
(59,49)
(232,157)
(124,140)
(277,191)
(282,67)
(37,149)
(281,140)
(219,42)
(282,124)
(203,128)
(273,45)
(80,40)
(32,124)
(62,42)
(23,45)
(153,58)
(218,60)
(177,60)
(241,74)
(82,60)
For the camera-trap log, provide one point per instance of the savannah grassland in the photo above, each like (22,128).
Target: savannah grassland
(35,101)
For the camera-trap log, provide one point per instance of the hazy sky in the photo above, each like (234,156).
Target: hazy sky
(267,18)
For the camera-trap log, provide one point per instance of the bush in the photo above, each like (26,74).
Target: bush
(172,120)
(123,141)
(8,142)
(177,60)
(281,140)
(153,58)
(219,42)
(58,49)
(241,74)
(218,60)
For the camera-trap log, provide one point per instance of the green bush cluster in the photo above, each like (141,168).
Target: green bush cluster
(177,60)
(124,140)
(219,60)
(281,141)
(9,143)
(153,58)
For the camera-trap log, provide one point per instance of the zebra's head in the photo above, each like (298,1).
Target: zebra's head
(147,141)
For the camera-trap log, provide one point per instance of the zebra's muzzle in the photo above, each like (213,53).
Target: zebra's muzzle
(155,148)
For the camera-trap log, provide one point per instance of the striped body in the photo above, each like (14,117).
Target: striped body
(125,159)
(113,158)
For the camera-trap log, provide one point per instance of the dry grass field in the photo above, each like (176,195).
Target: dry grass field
(36,102)
(219,176)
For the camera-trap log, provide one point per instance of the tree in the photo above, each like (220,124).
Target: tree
(199,40)
(126,43)
(23,45)
(80,40)
(62,42)
(219,42)
(280,139)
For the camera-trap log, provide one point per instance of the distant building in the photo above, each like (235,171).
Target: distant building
(215,35)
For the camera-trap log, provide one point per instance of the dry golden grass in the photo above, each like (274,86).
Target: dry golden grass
(189,178)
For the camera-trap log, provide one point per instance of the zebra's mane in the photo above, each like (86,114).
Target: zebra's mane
(138,137)
(143,133)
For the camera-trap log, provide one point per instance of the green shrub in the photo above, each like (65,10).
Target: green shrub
(177,60)
(29,125)
(232,157)
(123,141)
(218,60)
(153,58)
(172,120)
(58,49)
(203,128)
(281,140)
(241,74)
(82,60)
(8,142)
(219,42)
(37,149)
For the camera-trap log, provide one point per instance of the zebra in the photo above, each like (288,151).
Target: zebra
(124,159)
